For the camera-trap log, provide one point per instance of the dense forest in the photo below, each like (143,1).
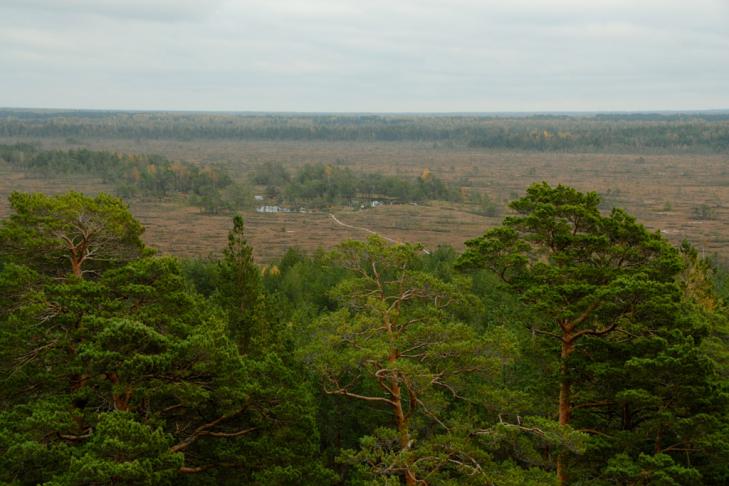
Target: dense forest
(566,345)
(633,132)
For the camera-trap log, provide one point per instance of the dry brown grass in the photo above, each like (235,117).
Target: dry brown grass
(661,190)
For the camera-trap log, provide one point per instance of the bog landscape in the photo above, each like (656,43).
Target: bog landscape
(193,298)
(670,171)
(364,243)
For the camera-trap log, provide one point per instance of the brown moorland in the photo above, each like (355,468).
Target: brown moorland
(683,195)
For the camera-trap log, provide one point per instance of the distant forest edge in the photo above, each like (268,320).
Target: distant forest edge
(313,186)
(685,132)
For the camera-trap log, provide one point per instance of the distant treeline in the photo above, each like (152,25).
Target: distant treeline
(703,132)
(317,185)
(135,175)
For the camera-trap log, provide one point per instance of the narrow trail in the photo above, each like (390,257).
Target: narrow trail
(336,220)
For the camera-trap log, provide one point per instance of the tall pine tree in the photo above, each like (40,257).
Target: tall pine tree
(240,290)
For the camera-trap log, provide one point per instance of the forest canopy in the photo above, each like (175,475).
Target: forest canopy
(566,345)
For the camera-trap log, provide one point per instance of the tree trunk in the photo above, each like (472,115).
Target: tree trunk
(77,254)
(120,400)
(400,419)
(402,426)
(565,408)
(76,266)
(565,386)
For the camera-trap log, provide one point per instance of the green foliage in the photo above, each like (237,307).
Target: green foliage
(370,364)
(239,289)
(628,312)
(69,233)
(635,132)
(271,174)
(396,342)
(137,175)
(201,273)
(300,285)
(123,451)
(570,263)
(484,205)
(132,378)
(320,185)
(658,469)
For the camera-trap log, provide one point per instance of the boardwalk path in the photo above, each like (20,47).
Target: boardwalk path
(336,220)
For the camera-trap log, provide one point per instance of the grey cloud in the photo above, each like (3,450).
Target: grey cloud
(157,10)
(347,55)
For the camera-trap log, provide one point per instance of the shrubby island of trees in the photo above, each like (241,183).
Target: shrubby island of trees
(322,185)
(566,345)
(313,186)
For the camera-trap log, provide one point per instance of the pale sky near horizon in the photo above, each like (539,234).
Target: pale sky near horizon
(366,55)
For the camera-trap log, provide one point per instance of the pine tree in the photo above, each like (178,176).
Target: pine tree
(240,290)
(586,275)
(131,378)
(69,233)
(396,344)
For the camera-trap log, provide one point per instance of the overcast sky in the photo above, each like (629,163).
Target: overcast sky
(365,55)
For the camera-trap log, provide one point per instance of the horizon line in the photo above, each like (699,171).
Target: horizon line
(669,111)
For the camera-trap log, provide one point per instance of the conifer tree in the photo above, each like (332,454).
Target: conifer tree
(130,378)
(397,344)
(240,289)
(69,233)
(587,275)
